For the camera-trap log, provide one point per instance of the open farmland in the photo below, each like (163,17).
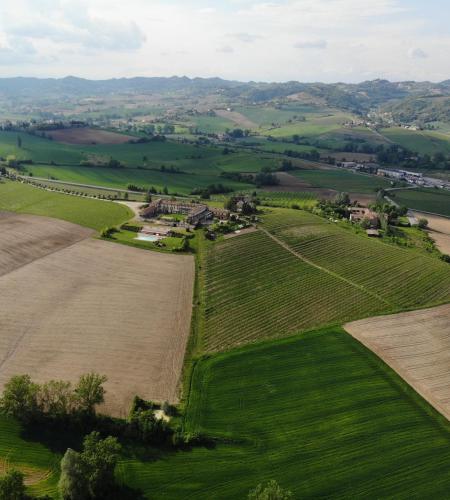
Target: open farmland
(306,272)
(23,198)
(429,200)
(402,278)
(319,413)
(94,305)
(341,180)
(439,230)
(256,289)
(417,346)
(85,135)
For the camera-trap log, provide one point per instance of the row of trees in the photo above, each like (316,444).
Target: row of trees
(57,399)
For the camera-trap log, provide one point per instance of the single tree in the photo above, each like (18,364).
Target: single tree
(73,482)
(100,458)
(90,391)
(20,398)
(19,141)
(270,491)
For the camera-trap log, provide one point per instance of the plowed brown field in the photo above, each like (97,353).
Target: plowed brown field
(417,346)
(92,305)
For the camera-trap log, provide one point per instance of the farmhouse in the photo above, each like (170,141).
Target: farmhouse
(358,214)
(196,213)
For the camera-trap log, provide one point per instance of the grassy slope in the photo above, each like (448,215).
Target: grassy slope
(22,198)
(430,200)
(318,413)
(256,289)
(424,142)
(121,177)
(341,180)
(402,277)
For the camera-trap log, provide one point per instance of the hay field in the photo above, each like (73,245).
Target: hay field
(88,136)
(417,346)
(95,305)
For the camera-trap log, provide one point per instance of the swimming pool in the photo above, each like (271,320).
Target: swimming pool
(148,237)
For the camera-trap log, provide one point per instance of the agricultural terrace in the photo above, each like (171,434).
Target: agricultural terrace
(416,345)
(401,278)
(319,413)
(95,214)
(306,272)
(120,311)
(429,200)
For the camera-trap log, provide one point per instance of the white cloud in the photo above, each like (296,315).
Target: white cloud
(311,44)
(270,40)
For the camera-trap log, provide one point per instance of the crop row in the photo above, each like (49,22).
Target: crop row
(255,289)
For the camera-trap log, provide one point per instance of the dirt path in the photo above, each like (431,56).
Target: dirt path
(417,346)
(132,205)
(324,269)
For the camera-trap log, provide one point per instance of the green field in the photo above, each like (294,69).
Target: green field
(342,180)
(256,289)
(423,141)
(286,199)
(430,200)
(401,277)
(23,198)
(121,177)
(319,413)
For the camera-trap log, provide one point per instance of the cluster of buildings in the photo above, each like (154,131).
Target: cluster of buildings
(413,178)
(196,213)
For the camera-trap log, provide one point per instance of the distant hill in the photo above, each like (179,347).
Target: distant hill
(408,101)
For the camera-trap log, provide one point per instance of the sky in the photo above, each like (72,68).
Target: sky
(275,40)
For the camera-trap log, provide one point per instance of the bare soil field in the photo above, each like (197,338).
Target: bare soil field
(98,306)
(417,346)
(25,238)
(236,117)
(289,183)
(88,136)
(439,230)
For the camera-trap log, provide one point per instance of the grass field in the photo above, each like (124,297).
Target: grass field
(429,200)
(319,413)
(341,180)
(424,142)
(22,198)
(121,177)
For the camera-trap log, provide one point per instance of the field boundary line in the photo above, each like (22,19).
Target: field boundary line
(324,269)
